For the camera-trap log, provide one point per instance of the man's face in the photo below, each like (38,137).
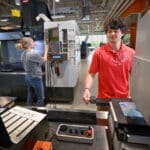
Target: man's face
(114,35)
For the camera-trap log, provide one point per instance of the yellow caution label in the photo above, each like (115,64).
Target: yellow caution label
(15,12)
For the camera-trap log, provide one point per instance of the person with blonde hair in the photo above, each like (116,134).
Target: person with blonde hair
(32,63)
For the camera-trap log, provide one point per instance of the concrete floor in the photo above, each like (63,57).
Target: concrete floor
(78,102)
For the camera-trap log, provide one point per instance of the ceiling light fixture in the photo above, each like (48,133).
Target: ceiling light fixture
(58,16)
(17,2)
(3,19)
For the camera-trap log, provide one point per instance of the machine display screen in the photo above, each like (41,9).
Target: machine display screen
(53,37)
(39,47)
(10,56)
(53,34)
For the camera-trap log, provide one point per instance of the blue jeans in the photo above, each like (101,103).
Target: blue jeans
(35,84)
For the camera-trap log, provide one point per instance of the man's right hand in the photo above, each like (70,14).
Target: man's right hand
(86,96)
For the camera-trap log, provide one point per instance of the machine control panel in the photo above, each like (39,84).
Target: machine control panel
(75,133)
(128,123)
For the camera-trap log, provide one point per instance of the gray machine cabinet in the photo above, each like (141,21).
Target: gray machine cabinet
(140,79)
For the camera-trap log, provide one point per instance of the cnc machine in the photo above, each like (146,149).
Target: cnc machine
(62,69)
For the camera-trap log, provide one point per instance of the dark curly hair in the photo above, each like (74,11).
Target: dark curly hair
(115,23)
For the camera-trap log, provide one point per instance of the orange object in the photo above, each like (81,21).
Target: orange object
(42,145)
(89,131)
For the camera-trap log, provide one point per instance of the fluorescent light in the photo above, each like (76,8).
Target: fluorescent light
(86,18)
(4,20)
(17,2)
(56,0)
(58,16)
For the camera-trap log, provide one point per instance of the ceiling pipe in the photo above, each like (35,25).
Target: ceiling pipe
(103,4)
(119,7)
(116,8)
(124,7)
(112,8)
(127,6)
(43,17)
(98,23)
(6,4)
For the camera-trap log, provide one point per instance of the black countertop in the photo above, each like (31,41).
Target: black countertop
(76,117)
(47,130)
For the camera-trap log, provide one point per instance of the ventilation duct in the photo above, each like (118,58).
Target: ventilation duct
(85,10)
(31,10)
(103,4)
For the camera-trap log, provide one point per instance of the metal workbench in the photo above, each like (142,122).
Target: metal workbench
(76,117)
(47,130)
(100,141)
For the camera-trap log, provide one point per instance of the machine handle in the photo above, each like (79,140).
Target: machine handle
(99,101)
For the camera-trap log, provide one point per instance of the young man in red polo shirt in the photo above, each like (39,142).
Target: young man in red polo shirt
(112,62)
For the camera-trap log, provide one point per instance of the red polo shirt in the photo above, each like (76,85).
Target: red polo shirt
(113,71)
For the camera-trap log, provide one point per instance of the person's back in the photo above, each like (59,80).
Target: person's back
(32,62)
